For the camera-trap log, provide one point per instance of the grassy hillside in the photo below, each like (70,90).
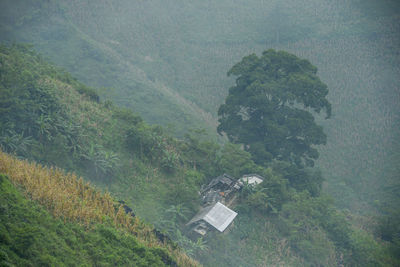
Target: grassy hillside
(49,117)
(31,236)
(99,60)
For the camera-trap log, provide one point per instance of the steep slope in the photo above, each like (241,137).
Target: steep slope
(167,61)
(97,59)
(50,117)
(46,119)
(31,236)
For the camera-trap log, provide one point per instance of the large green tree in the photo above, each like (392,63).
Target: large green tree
(269,109)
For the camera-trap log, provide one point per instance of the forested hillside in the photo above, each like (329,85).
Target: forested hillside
(166,62)
(50,117)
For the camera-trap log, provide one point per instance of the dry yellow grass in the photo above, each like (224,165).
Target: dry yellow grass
(69,197)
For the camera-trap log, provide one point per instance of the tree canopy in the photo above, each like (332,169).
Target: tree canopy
(269,108)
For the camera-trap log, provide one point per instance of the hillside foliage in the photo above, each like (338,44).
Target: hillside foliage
(78,203)
(30,236)
(285,220)
(167,61)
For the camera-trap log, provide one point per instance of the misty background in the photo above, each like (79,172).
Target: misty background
(167,61)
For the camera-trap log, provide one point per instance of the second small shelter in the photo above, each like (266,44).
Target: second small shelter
(221,183)
(251,179)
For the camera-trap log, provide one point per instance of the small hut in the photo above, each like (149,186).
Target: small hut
(221,183)
(251,179)
(218,216)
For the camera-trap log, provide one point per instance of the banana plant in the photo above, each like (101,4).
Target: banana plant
(177,212)
(103,162)
(12,142)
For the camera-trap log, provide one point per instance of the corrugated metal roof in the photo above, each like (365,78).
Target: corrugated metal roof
(217,215)
(252,179)
(223,179)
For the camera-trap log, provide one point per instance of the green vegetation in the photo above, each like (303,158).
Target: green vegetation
(30,236)
(114,64)
(161,175)
(75,201)
(77,143)
(261,110)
